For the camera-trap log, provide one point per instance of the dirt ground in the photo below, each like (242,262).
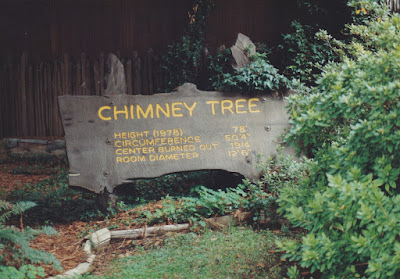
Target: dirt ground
(67,246)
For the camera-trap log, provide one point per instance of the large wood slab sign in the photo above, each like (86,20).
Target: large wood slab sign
(112,139)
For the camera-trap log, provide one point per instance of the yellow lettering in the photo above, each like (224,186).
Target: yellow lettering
(132,112)
(149,110)
(176,108)
(117,143)
(117,135)
(166,112)
(190,109)
(125,111)
(226,105)
(251,105)
(100,113)
(212,103)
(239,106)
(127,143)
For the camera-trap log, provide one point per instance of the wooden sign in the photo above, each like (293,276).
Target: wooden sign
(112,139)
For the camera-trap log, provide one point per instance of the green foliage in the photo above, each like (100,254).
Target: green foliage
(177,184)
(218,66)
(56,201)
(183,59)
(304,54)
(14,243)
(36,158)
(258,76)
(258,197)
(24,272)
(237,253)
(279,172)
(207,202)
(350,203)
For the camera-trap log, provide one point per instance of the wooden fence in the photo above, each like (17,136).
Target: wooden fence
(28,93)
(394,5)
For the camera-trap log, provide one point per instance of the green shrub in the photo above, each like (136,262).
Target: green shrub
(281,171)
(350,204)
(258,76)
(14,243)
(183,60)
(217,67)
(24,272)
(304,54)
(206,203)
(258,196)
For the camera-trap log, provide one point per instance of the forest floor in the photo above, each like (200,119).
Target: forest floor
(67,246)
(74,214)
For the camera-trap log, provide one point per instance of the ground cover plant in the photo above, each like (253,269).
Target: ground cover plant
(17,257)
(350,125)
(74,213)
(234,253)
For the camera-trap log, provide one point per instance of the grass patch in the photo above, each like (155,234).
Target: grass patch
(236,253)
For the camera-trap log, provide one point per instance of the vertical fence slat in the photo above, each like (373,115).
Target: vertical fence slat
(137,79)
(101,69)
(83,74)
(22,93)
(128,76)
(78,88)
(88,82)
(96,78)
(30,107)
(58,126)
(29,93)
(48,98)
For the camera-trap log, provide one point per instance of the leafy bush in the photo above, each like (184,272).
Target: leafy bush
(207,203)
(183,59)
(177,184)
(258,197)
(304,54)
(350,203)
(14,244)
(258,76)
(217,67)
(281,171)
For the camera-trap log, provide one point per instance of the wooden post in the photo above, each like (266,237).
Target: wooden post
(66,68)
(48,96)
(83,84)
(145,75)
(59,91)
(96,77)
(128,76)
(22,95)
(36,100)
(31,108)
(137,80)
(78,88)
(101,72)
(106,200)
(88,84)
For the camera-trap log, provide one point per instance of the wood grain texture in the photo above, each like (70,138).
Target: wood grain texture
(202,130)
